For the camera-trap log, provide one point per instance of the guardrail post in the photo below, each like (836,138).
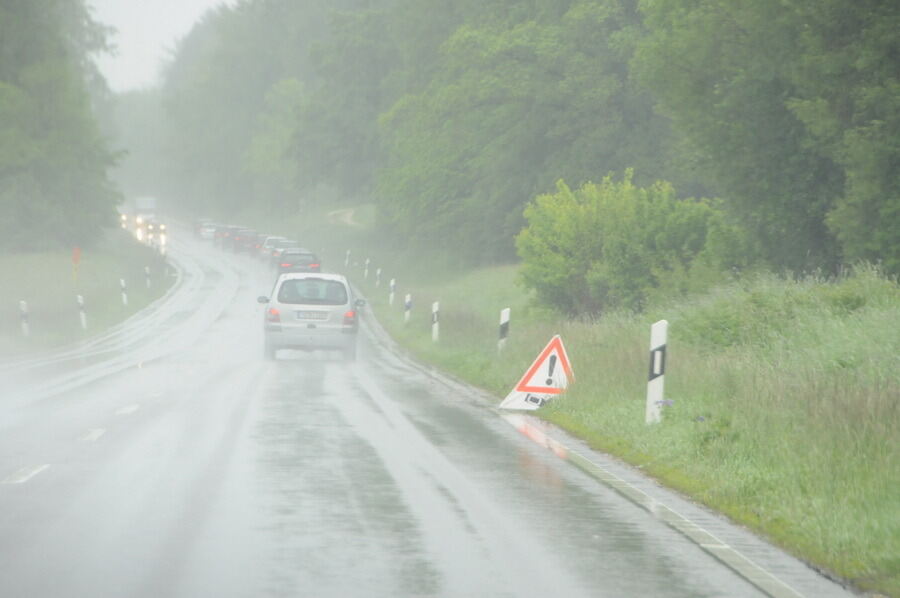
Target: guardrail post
(82,316)
(393,286)
(147,275)
(366,270)
(124,291)
(407,307)
(347,259)
(504,329)
(377,278)
(656,377)
(435,321)
(23,314)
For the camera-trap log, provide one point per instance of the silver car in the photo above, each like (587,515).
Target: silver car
(309,311)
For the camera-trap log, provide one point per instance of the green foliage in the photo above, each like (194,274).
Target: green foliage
(608,246)
(451,116)
(848,96)
(514,105)
(722,71)
(53,185)
(794,108)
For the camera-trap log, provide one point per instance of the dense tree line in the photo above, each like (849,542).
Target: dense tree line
(453,116)
(54,189)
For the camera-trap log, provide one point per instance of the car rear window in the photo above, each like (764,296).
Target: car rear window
(300,258)
(315,291)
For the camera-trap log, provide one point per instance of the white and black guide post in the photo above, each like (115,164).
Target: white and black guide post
(23,314)
(657,374)
(393,286)
(407,307)
(147,275)
(504,329)
(366,271)
(377,277)
(82,315)
(435,321)
(347,259)
(124,288)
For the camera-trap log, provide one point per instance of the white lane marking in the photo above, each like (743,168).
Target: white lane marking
(93,435)
(25,474)
(127,409)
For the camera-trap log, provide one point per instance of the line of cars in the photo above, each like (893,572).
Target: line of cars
(308,310)
(282,254)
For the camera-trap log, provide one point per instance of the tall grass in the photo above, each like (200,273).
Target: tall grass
(786,411)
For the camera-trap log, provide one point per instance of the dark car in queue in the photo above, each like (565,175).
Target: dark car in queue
(225,236)
(278,247)
(199,224)
(256,243)
(241,239)
(208,231)
(297,259)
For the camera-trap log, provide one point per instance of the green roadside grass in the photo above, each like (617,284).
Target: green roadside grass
(786,412)
(46,281)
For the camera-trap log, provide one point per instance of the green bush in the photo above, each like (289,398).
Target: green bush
(608,246)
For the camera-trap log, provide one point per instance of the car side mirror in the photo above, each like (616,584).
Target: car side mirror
(262,299)
(360,303)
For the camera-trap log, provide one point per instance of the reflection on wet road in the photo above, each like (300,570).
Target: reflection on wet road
(207,471)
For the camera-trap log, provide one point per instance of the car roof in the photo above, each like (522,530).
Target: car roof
(294,250)
(300,275)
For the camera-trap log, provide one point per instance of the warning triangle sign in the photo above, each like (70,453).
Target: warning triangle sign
(547,377)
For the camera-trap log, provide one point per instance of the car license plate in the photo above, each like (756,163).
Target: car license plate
(312,315)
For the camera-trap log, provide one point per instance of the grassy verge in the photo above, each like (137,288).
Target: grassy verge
(786,413)
(46,281)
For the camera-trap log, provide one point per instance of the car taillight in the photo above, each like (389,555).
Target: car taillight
(286,265)
(273,315)
(314,265)
(350,318)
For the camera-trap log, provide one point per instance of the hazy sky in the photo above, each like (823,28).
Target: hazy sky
(146,32)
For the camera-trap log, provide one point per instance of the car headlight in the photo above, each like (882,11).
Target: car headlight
(140,220)
(162,227)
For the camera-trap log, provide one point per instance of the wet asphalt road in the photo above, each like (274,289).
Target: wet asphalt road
(174,461)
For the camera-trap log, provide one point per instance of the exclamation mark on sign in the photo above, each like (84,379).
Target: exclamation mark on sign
(552,366)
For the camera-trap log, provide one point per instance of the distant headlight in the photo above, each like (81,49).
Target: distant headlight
(140,220)
(123,217)
(162,227)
